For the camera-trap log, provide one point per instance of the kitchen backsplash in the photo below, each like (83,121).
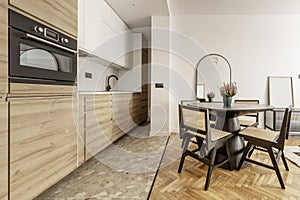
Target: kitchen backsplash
(93,75)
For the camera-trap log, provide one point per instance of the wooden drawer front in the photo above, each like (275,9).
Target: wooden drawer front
(135,109)
(98,137)
(3,48)
(102,130)
(122,120)
(3,150)
(97,116)
(123,125)
(43,144)
(116,131)
(98,123)
(93,103)
(97,105)
(121,98)
(97,98)
(59,13)
(23,89)
(126,112)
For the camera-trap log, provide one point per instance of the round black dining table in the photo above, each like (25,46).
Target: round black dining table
(227,120)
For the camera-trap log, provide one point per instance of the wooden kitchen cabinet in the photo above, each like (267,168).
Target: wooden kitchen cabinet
(108,117)
(80,129)
(59,13)
(122,122)
(135,108)
(144,102)
(43,144)
(98,123)
(27,89)
(3,48)
(127,112)
(3,150)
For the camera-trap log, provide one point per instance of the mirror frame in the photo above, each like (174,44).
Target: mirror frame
(270,89)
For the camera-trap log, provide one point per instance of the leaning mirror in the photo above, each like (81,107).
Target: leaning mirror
(280,91)
(200,91)
(212,70)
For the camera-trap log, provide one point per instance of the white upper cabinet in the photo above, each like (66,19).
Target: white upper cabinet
(115,22)
(103,34)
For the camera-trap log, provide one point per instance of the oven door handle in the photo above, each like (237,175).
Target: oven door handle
(49,43)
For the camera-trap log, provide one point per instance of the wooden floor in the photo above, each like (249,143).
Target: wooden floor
(251,182)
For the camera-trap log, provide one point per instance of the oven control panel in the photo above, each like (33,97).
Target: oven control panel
(30,26)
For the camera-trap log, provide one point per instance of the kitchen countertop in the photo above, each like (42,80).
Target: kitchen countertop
(108,92)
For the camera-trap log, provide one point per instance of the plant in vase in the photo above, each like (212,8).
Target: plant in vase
(228,91)
(210,96)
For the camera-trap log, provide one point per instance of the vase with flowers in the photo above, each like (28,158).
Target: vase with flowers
(228,90)
(210,96)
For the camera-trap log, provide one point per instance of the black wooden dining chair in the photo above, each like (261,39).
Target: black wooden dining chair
(252,118)
(212,120)
(267,140)
(194,123)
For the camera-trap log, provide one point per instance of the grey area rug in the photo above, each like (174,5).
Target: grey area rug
(124,170)
(293,154)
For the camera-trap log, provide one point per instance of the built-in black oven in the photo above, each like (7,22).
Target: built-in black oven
(38,54)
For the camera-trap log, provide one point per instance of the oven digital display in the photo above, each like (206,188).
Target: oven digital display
(51,34)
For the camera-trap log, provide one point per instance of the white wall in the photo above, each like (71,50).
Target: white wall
(160,46)
(256,46)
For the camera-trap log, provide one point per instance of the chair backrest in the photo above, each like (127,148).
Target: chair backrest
(285,127)
(183,102)
(193,119)
(251,101)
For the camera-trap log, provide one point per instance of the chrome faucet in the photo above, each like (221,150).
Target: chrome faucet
(108,87)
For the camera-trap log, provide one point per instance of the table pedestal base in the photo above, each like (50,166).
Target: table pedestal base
(231,124)
(236,147)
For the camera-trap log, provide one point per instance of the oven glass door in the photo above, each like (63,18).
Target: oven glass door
(35,59)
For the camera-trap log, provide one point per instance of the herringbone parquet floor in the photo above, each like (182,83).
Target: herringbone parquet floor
(251,182)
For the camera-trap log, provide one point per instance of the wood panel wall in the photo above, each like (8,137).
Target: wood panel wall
(59,13)
(3,150)
(80,130)
(3,48)
(43,144)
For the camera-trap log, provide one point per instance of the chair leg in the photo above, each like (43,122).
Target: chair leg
(284,161)
(251,151)
(210,168)
(229,155)
(185,147)
(183,140)
(273,159)
(247,149)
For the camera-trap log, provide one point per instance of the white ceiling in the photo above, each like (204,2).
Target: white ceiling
(139,15)
(234,7)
